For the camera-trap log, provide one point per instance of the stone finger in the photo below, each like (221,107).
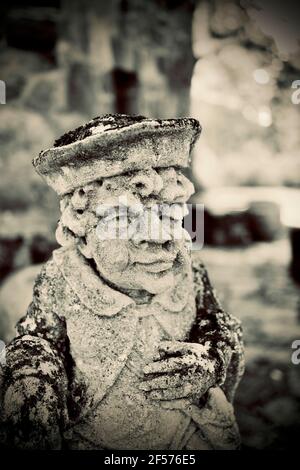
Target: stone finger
(172,393)
(162,382)
(170,365)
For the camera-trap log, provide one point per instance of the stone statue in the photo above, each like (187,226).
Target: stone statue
(125,345)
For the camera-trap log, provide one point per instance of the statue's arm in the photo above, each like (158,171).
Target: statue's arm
(219,331)
(35,383)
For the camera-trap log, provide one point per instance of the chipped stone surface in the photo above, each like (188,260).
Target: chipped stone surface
(125,344)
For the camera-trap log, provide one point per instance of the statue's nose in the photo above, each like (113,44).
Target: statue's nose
(146,183)
(152,229)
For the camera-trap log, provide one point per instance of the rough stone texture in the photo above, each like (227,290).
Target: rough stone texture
(125,344)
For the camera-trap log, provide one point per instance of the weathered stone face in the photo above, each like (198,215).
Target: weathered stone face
(131,226)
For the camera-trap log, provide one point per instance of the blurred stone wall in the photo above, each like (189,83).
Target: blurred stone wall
(248,58)
(128,56)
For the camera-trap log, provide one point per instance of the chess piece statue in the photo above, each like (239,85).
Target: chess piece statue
(125,344)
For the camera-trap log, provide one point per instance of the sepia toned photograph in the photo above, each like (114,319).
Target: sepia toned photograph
(149,228)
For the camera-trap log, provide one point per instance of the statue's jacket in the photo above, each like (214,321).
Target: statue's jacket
(72,374)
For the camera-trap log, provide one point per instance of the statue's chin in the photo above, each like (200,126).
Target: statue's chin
(153,283)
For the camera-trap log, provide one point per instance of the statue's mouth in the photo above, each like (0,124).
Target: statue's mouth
(157,267)
(162,266)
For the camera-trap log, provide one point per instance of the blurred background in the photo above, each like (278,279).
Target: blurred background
(234,65)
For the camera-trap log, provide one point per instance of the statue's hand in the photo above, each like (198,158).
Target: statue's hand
(182,370)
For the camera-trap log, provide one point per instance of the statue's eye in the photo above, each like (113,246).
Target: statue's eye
(139,185)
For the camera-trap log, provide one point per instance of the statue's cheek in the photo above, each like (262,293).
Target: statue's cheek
(112,255)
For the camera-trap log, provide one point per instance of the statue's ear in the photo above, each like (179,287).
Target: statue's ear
(84,248)
(64,236)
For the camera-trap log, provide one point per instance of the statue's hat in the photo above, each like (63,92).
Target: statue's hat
(115,144)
